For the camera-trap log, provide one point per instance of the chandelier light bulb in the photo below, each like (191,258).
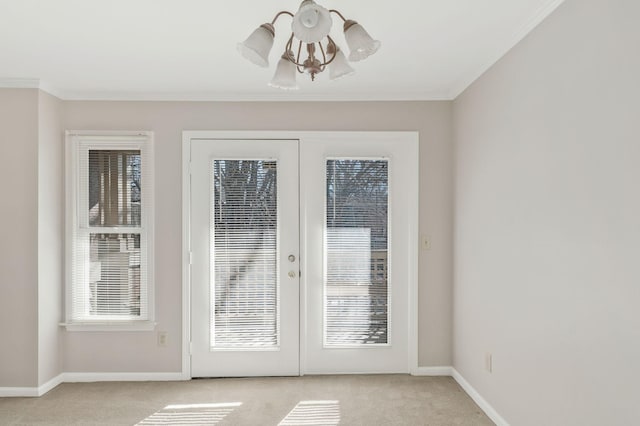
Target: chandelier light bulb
(310,18)
(312,23)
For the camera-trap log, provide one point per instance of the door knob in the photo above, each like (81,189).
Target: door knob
(292,274)
(291,258)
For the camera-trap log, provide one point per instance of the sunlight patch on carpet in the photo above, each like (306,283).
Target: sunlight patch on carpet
(191,414)
(313,413)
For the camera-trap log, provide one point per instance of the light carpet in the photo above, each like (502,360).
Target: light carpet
(311,400)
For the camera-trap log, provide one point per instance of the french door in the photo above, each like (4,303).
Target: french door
(244,235)
(302,254)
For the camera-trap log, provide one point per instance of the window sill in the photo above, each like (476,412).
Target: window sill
(110,326)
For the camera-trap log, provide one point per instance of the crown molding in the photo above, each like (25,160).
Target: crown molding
(19,83)
(276,96)
(30,83)
(50,89)
(280,96)
(509,43)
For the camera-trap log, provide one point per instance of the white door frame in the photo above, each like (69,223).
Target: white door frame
(413,188)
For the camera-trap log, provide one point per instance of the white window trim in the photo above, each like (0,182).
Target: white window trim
(72,141)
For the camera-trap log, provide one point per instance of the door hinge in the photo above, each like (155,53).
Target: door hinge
(190,258)
(190,348)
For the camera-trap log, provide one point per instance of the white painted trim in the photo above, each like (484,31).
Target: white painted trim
(275,96)
(189,135)
(89,378)
(350,373)
(73,139)
(122,377)
(414,230)
(52,90)
(432,371)
(112,134)
(18,392)
(186,255)
(503,48)
(31,391)
(478,399)
(113,326)
(30,83)
(302,258)
(288,134)
(70,161)
(19,83)
(46,387)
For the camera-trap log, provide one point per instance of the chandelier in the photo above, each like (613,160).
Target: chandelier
(309,37)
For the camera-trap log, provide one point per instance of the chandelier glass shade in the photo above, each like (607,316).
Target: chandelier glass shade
(285,76)
(257,46)
(310,49)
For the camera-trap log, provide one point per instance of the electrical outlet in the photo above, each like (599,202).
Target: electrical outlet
(488,362)
(425,242)
(162,338)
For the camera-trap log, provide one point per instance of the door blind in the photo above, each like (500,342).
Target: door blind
(356,287)
(245,291)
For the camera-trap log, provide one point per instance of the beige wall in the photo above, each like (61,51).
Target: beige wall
(50,236)
(138,352)
(19,237)
(547,222)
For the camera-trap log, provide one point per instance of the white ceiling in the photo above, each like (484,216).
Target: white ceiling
(186,49)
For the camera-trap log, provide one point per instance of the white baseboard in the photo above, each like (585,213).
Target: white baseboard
(432,371)
(11,392)
(482,403)
(32,391)
(46,387)
(123,377)
(466,386)
(89,377)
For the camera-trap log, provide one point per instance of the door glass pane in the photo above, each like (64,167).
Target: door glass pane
(114,187)
(356,302)
(244,300)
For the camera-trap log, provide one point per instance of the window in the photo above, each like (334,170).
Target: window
(109,231)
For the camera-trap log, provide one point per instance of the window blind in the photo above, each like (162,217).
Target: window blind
(356,242)
(244,300)
(110,247)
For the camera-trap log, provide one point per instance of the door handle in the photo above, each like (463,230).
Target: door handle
(291,258)
(292,274)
